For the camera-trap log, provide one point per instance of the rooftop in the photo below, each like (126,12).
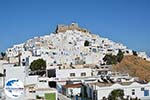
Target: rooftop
(72,85)
(103,84)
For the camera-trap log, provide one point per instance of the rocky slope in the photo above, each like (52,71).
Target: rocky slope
(135,66)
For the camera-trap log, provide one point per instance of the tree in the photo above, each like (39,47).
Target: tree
(3,54)
(38,65)
(116,95)
(56,31)
(120,56)
(110,59)
(134,53)
(86,43)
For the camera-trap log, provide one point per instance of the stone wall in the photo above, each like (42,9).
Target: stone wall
(73,26)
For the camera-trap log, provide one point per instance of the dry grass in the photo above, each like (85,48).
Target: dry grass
(135,66)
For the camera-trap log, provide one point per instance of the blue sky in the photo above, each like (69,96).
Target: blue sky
(125,21)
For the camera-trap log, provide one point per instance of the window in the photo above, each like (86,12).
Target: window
(72,74)
(83,74)
(94,50)
(133,91)
(54,62)
(42,81)
(23,59)
(23,64)
(31,90)
(142,89)
(70,43)
(54,53)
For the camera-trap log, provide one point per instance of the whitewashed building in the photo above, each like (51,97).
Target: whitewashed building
(97,91)
(34,86)
(69,73)
(72,89)
(64,47)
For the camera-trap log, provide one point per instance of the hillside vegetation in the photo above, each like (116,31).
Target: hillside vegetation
(135,66)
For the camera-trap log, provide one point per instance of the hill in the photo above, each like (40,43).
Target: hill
(135,66)
(70,45)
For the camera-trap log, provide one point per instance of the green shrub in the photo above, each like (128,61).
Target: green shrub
(38,64)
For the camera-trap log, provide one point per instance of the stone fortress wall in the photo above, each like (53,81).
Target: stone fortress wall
(73,26)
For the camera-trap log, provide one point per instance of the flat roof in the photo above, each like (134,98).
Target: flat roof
(72,85)
(103,84)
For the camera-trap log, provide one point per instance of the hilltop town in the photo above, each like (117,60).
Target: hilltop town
(69,45)
(75,66)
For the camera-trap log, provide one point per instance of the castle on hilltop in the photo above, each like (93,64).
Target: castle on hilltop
(72,26)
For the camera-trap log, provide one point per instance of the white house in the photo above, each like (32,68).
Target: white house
(72,89)
(69,73)
(142,55)
(33,85)
(18,72)
(39,89)
(97,91)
